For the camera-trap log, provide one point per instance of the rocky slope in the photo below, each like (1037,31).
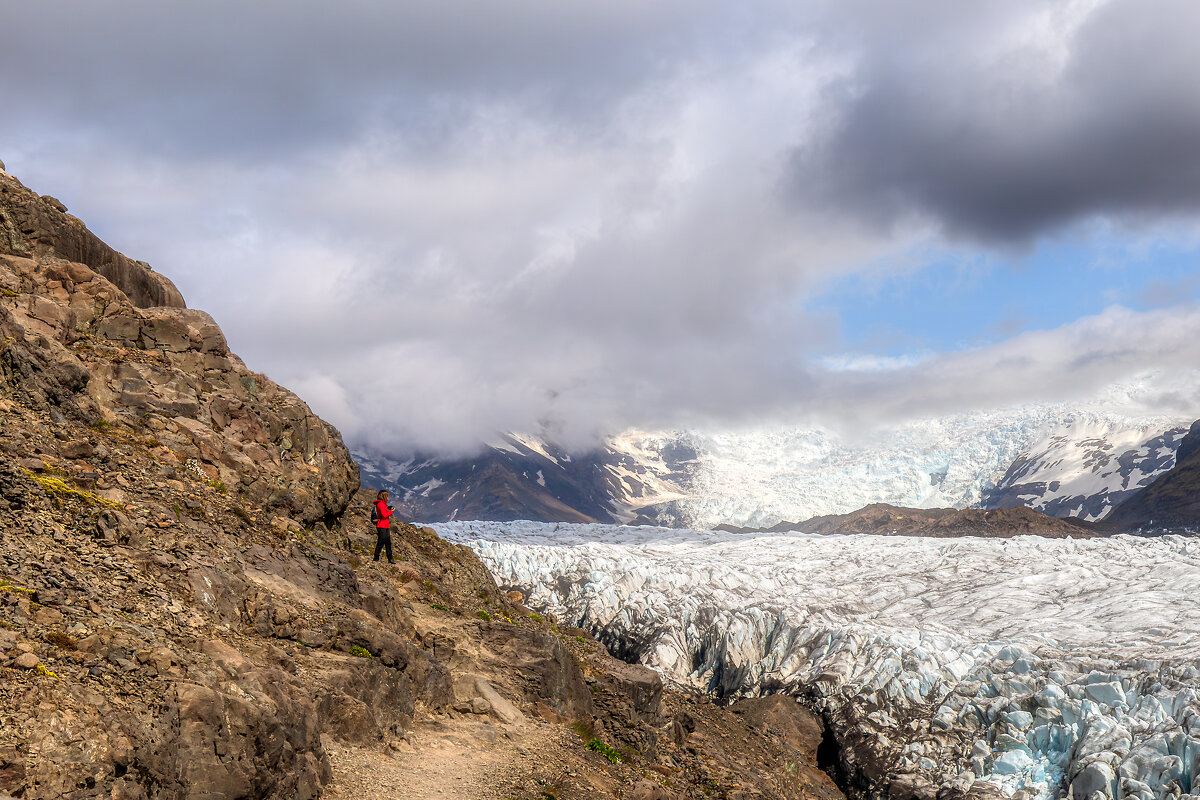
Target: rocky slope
(1085,475)
(885,520)
(186,610)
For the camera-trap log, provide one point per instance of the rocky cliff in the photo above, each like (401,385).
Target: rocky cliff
(40,227)
(187,609)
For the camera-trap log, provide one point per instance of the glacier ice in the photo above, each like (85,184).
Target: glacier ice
(1034,666)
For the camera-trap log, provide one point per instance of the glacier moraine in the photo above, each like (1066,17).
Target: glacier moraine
(1040,667)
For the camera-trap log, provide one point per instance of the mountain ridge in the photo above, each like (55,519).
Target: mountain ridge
(881,519)
(1064,462)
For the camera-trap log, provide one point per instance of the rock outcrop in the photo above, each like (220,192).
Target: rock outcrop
(75,345)
(40,227)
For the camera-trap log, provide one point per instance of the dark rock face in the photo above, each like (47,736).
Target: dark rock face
(40,226)
(1171,502)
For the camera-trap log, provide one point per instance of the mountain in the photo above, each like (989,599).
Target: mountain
(1065,460)
(187,612)
(526,477)
(1087,471)
(1170,501)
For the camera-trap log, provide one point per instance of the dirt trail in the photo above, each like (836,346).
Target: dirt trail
(465,758)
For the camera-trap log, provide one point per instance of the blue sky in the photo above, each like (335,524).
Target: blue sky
(956,301)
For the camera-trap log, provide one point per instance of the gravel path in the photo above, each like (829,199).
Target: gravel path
(463,758)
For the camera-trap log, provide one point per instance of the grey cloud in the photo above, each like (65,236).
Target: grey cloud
(258,79)
(1000,135)
(1159,294)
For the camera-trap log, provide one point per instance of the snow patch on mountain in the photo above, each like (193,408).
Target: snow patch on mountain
(1086,470)
(1028,664)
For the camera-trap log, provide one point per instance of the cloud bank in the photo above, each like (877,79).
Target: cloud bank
(437,222)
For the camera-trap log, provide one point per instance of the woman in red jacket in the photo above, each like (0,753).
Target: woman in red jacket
(383,525)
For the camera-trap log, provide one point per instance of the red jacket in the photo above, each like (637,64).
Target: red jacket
(384,513)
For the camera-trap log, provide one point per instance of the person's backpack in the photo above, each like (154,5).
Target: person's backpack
(374,513)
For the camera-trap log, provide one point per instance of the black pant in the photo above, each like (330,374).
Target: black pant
(383,539)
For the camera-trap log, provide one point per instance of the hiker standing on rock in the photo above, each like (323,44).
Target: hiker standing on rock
(382,516)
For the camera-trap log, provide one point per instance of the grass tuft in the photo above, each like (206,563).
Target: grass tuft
(597,746)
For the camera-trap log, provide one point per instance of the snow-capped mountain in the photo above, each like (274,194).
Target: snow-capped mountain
(1172,500)
(1047,667)
(1086,470)
(527,477)
(1063,460)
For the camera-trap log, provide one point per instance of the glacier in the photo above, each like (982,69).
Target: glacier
(1024,667)
(1078,459)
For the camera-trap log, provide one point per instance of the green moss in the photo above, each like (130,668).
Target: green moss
(44,671)
(56,487)
(5,586)
(581,639)
(101,426)
(438,606)
(536,617)
(485,616)
(361,652)
(8,293)
(597,746)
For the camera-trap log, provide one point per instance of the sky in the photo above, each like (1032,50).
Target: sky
(437,221)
